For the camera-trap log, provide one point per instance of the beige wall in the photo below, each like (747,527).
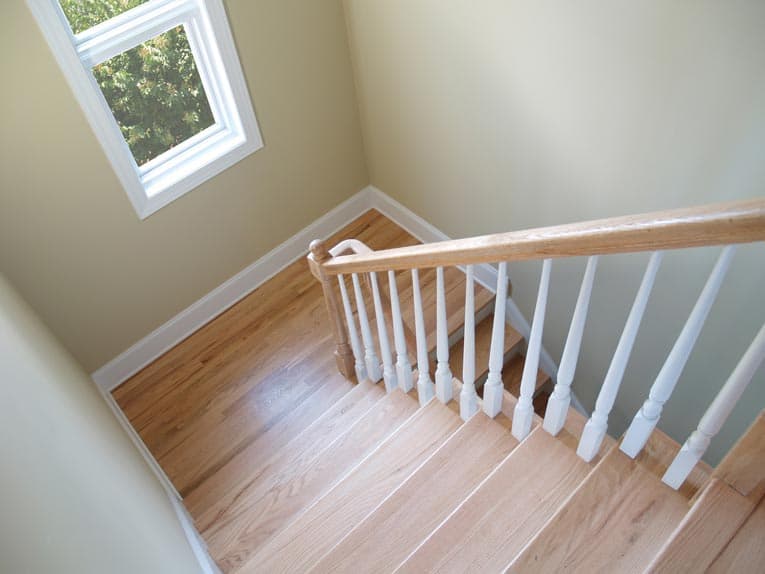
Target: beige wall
(69,238)
(496,115)
(77,497)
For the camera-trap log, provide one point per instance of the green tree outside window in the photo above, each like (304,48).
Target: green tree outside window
(154,90)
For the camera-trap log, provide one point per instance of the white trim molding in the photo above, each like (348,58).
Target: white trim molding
(165,337)
(196,542)
(201,312)
(235,133)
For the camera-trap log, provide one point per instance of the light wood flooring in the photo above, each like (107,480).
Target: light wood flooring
(215,409)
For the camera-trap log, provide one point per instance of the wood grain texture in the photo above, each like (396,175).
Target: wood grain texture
(491,526)
(615,521)
(658,454)
(512,373)
(271,504)
(743,468)
(704,532)
(216,408)
(512,341)
(716,224)
(297,547)
(745,553)
(386,537)
(231,501)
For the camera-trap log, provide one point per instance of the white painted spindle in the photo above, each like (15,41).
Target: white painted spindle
(524,409)
(648,416)
(403,366)
(596,427)
(557,405)
(425,387)
(493,390)
(389,373)
(353,334)
(468,395)
(443,372)
(717,413)
(374,373)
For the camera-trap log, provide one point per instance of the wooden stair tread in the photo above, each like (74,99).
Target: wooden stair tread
(658,454)
(616,521)
(745,553)
(744,466)
(455,319)
(454,282)
(387,536)
(711,523)
(512,373)
(283,496)
(495,522)
(251,437)
(297,547)
(304,447)
(512,342)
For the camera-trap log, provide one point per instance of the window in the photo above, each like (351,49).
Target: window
(161,86)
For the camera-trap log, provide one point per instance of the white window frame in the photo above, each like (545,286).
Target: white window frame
(235,133)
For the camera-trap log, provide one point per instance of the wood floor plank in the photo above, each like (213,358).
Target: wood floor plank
(745,553)
(658,454)
(228,496)
(281,497)
(217,406)
(711,523)
(744,466)
(615,521)
(491,526)
(386,537)
(302,543)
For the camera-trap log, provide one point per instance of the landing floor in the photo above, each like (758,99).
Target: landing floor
(215,407)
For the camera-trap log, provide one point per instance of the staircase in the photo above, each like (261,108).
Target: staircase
(460,460)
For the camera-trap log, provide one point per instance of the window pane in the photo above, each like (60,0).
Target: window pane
(156,95)
(84,14)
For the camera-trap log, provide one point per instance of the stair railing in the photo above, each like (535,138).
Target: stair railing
(724,224)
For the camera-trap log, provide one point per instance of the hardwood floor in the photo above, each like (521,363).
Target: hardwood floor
(215,409)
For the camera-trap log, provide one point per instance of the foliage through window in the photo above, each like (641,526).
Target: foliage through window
(84,14)
(161,76)
(156,94)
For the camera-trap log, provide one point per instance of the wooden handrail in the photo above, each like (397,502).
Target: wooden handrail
(716,224)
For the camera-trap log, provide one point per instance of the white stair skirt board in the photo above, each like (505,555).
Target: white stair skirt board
(199,548)
(198,314)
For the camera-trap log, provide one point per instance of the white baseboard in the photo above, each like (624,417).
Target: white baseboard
(206,564)
(140,445)
(162,339)
(199,548)
(165,337)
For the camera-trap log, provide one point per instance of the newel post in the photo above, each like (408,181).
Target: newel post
(343,352)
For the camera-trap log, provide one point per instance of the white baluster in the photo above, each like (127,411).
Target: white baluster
(443,372)
(389,373)
(425,387)
(648,416)
(374,373)
(596,427)
(403,366)
(523,414)
(468,395)
(717,413)
(353,334)
(493,390)
(557,405)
